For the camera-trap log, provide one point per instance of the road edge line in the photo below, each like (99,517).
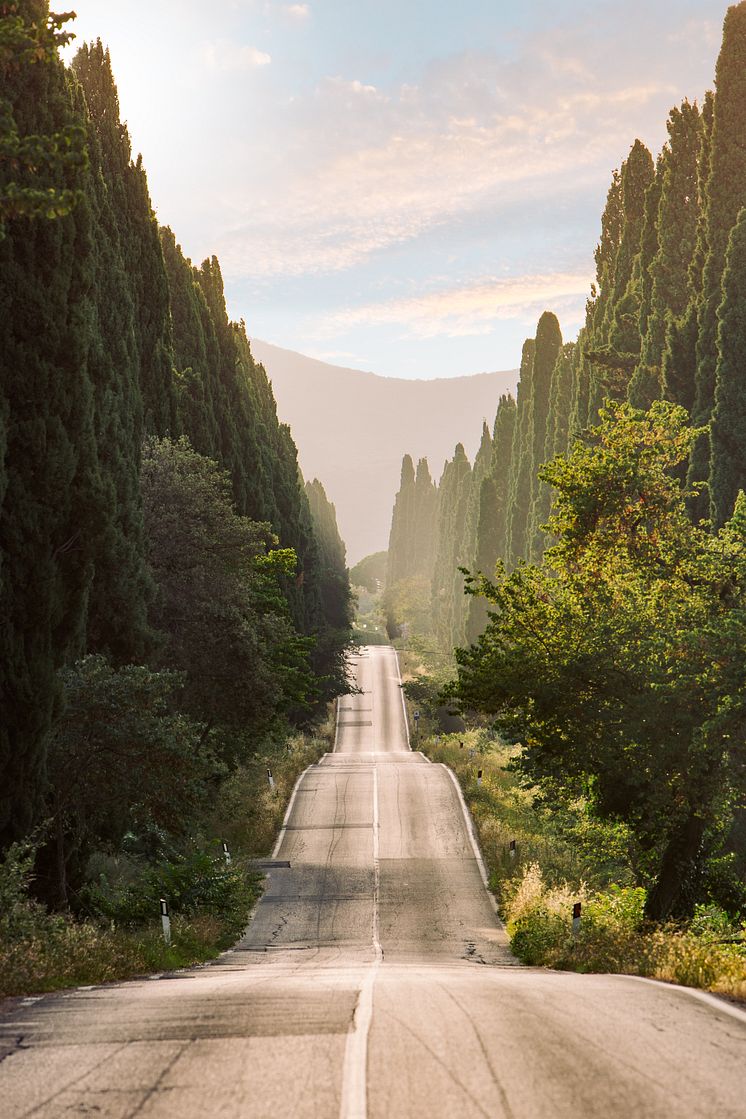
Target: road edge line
(473,840)
(288,810)
(403,704)
(713,1000)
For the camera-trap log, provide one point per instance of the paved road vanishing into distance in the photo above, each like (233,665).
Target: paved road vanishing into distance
(374,980)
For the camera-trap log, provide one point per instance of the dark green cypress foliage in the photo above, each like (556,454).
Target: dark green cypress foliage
(581,381)
(556,443)
(485,559)
(482,467)
(335,593)
(631,335)
(425,519)
(519,486)
(49,490)
(680,353)
(725,197)
(502,449)
(677,218)
(194,347)
(728,466)
(616,312)
(448,582)
(548,347)
(400,563)
(493,508)
(117,611)
(133,230)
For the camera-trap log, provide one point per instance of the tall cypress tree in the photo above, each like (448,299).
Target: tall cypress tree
(519,486)
(448,584)
(425,519)
(725,197)
(50,485)
(548,346)
(400,563)
(615,318)
(728,466)
(556,443)
(680,351)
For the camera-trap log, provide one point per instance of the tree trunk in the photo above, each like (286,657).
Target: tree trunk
(665,898)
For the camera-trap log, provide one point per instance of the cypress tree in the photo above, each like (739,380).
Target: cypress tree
(725,197)
(502,449)
(635,321)
(425,519)
(335,592)
(548,346)
(485,559)
(616,312)
(49,487)
(400,563)
(728,466)
(447,583)
(519,486)
(556,443)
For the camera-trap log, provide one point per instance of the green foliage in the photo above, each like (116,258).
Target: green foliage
(370,572)
(196,883)
(120,759)
(615,663)
(728,431)
(39,172)
(220,602)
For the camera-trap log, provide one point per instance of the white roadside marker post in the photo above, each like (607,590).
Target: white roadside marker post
(417,726)
(479,777)
(226,854)
(270,779)
(166,922)
(511,849)
(576,911)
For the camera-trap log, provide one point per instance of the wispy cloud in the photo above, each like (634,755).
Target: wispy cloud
(470,309)
(297,11)
(225,55)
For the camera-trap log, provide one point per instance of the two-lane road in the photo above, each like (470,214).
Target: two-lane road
(374,980)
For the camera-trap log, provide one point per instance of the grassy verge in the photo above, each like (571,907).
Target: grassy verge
(210,901)
(541,863)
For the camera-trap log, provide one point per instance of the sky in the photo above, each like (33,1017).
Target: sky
(398,186)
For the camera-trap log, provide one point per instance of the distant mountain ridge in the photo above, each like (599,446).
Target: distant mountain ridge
(352,429)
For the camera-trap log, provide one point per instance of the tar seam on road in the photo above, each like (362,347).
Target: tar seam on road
(403,704)
(288,810)
(354,1103)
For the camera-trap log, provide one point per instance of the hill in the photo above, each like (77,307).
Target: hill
(352,429)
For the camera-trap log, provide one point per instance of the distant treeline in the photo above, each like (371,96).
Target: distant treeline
(209,555)
(664,320)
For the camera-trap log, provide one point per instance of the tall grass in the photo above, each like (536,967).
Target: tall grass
(541,863)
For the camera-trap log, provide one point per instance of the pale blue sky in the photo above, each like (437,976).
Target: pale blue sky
(398,186)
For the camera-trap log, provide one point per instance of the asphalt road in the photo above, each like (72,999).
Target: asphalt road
(374,980)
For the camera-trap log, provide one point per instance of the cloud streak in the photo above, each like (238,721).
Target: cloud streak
(469,309)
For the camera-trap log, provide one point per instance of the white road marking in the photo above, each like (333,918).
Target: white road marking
(336,725)
(472,837)
(703,996)
(403,704)
(288,810)
(355,1069)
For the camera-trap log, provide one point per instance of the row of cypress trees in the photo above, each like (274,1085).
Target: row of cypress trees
(108,334)
(665,320)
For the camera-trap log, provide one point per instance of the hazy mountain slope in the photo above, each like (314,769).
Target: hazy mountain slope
(352,428)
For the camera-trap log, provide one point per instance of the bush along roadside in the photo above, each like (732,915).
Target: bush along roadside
(545,862)
(117,933)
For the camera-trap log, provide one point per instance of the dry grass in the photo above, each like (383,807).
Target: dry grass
(560,862)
